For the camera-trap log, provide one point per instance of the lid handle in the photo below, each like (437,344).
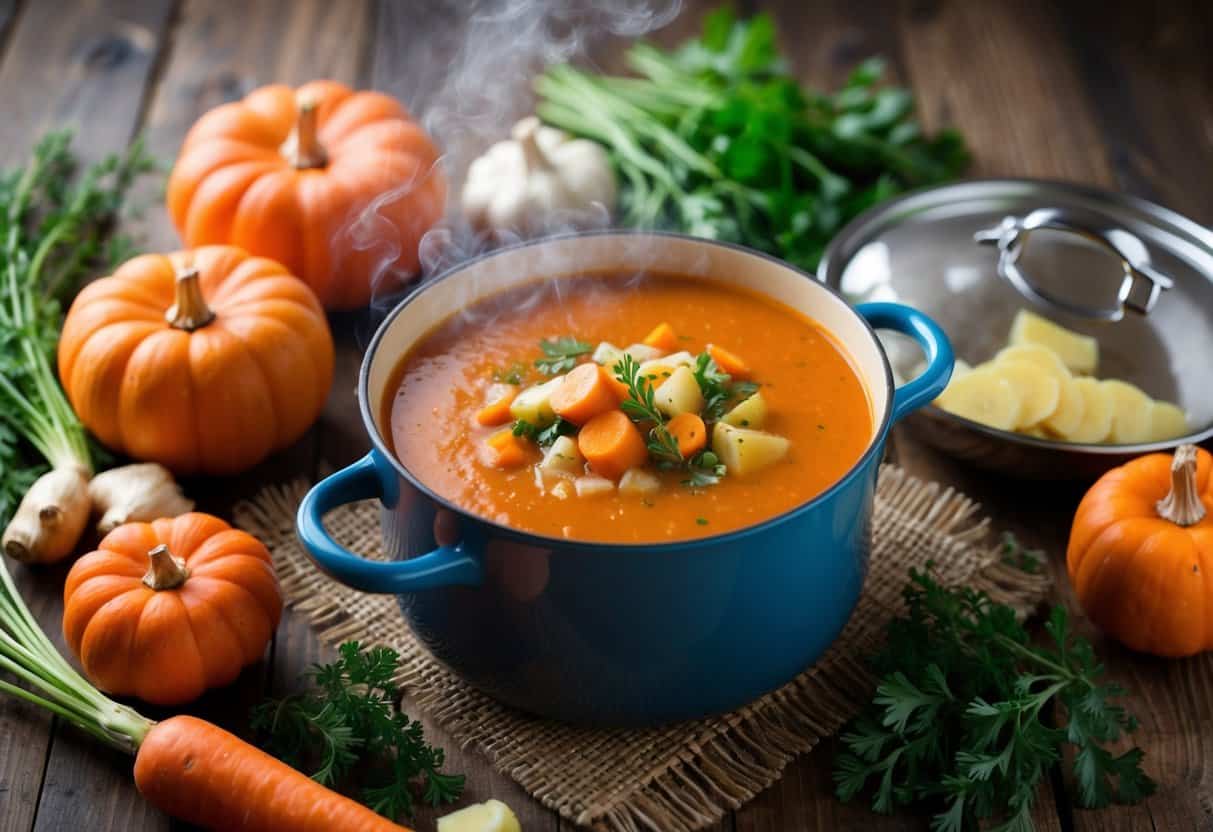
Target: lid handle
(1139,290)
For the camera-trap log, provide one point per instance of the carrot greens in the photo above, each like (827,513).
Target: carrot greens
(718,140)
(350,721)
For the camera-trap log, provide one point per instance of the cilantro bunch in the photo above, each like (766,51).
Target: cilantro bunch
(718,140)
(350,723)
(965,718)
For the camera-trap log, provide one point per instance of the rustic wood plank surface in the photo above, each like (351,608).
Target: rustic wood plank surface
(1118,96)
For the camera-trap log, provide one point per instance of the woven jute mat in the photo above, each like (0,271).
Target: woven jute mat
(681,777)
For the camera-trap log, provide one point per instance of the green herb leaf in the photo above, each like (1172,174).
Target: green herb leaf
(641,407)
(561,354)
(962,716)
(349,720)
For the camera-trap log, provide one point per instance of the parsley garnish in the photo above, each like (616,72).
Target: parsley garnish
(350,719)
(961,716)
(641,407)
(513,374)
(543,437)
(561,354)
(718,388)
(705,469)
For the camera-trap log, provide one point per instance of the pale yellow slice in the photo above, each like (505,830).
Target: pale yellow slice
(1167,421)
(1078,352)
(1035,354)
(1096,421)
(1071,405)
(490,816)
(983,396)
(1039,389)
(1130,412)
(744,451)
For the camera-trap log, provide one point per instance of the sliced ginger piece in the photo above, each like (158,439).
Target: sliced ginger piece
(1071,405)
(1078,352)
(984,396)
(1167,421)
(1130,412)
(1096,421)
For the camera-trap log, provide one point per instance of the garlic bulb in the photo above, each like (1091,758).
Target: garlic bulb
(539,178)
(143,491)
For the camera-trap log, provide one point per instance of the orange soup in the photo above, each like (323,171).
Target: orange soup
(629,409)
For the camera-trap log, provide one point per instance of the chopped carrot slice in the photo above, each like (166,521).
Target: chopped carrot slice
(662,337)
(619,388)
(729,362)
(612,444)
(497,411)
(584,393)
(509,451)
(655,375)
(690,432)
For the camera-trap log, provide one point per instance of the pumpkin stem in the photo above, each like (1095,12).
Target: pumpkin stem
(302,148)
(1182,505)
(526,133)
(190,312)
(165,571)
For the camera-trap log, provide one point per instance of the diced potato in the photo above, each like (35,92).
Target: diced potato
(750,413)
(1039,389)
(1078,352)
(1131,416)
(642,352)
(1167,421)
(744,451)
(637,482)
(1096,421)
(1071,405)
(679,393)
(534,404)
(588,486)
(655,372)
(490,816)
(563,459)
(679,359)
(562,490)
(607,355)
(983,396)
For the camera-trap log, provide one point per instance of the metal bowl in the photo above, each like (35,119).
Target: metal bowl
(1136,276)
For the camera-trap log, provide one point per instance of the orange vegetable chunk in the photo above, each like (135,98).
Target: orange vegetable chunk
(662,337)
(509,451)
(690,432)
(584,393)
(729,362)
(612,444)
(497,412)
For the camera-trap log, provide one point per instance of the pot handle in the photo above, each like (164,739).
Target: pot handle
(908,321)
(445,566)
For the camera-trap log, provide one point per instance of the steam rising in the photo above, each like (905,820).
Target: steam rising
(466,77)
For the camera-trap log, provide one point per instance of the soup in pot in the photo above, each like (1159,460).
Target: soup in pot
(628,408)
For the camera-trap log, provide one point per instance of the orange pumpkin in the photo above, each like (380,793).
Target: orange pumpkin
(204,361)
(1141,553)
(286,173)
(166,610)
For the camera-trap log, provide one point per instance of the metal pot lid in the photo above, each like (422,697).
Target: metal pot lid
(1135,275)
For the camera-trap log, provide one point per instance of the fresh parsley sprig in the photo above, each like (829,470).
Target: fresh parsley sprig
(962,718)
(641,407)
(718,388)
(543,437)
(560,354)
(350,721)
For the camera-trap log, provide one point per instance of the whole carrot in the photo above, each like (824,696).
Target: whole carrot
(187,767)
(198,772)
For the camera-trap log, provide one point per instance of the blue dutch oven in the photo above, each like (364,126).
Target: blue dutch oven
(612,634)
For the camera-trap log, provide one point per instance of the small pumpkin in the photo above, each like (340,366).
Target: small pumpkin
(286,173)
(1140,556)
(205,361)
(168,609)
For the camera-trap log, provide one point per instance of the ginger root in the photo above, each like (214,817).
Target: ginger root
(51,517)
(144,491)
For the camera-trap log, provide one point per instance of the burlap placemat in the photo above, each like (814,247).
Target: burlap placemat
(682,777)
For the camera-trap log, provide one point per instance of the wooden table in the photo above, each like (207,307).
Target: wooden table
(1116,97)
